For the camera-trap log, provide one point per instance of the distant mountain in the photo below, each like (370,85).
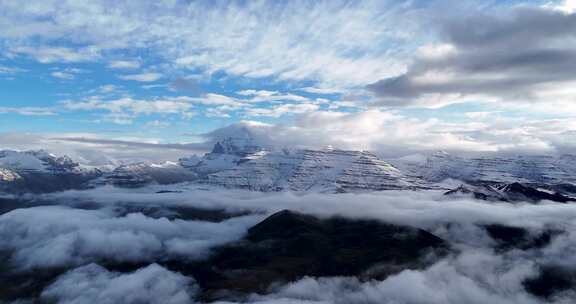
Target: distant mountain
(40,171)
(544,169)
(240,161)
(142,174)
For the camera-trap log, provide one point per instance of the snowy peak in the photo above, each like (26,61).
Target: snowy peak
(240,139)
(236,146)
(37,161)
(40,171)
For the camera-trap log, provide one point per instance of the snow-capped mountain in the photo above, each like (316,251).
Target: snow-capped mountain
(501,169)
(142,174)
(238,162)
(40,171)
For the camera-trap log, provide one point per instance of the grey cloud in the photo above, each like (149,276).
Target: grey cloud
(507,57)
(190,86)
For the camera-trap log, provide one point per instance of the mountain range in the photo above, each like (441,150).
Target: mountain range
(239,161)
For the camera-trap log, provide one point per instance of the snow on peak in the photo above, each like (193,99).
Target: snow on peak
(36,161)
(240,139)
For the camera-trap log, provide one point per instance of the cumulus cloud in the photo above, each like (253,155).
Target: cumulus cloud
(391,134)
(526,55)
(95,284)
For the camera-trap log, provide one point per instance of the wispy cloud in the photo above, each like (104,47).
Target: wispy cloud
(123,64)
(143,77)
(29,111)
(350,43)
(57,54)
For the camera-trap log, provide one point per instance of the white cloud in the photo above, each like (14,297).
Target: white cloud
(314,90)
(391,134)
(69,237)
(566,6)
(123,64)
(478,114)
(10,70)
(263,93)
(28,111)
(158,124)
(62,75)
(283,109)
(475,273)
(348,46)
(126,108)
(143,77)
(58,54)
(257,96)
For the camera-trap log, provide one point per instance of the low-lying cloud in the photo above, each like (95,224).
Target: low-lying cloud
(65,236)
(54,236)
(95,284)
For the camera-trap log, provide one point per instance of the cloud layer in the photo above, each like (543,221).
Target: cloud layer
(477,274)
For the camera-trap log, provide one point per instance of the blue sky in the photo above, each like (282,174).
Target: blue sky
(165,71)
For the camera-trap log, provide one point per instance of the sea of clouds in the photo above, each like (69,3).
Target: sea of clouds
(82,230)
